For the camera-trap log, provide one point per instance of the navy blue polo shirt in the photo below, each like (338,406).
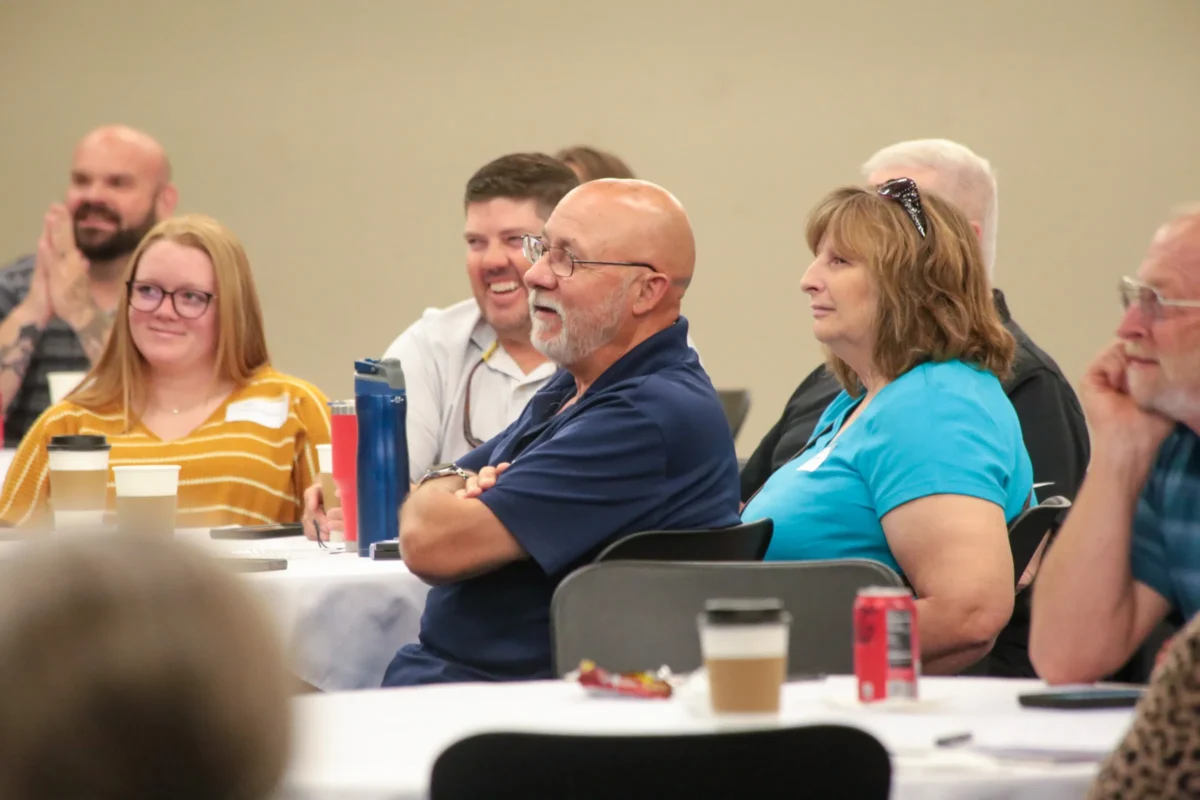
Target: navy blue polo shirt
(646,447)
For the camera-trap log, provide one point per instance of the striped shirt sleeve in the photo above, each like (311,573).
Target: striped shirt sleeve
(312,408)
(27,484)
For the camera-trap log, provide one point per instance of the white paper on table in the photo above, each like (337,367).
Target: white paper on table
(1096,731)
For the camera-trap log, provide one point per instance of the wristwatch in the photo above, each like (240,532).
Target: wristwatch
(443,471)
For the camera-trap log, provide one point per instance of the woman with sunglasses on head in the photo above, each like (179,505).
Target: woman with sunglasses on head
(919,463)
(185,379)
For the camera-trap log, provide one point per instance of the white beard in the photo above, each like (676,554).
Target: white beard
(580,333)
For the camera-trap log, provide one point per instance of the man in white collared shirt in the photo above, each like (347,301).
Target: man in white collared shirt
(470,369)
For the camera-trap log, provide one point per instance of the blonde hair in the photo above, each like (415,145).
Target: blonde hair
(119,377)
(962,176)
(934,300)
(136,667)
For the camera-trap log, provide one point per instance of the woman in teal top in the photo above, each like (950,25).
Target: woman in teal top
(919,463)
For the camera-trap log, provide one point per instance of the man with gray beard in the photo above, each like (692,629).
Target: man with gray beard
(57,306)
(629,436)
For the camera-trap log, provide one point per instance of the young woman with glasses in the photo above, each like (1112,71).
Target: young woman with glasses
(185,379)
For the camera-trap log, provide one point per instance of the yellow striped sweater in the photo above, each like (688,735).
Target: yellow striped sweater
(247,464)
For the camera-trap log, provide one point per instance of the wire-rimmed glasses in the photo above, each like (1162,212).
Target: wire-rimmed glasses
(562,262)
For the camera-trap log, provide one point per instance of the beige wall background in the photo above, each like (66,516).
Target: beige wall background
(336,138)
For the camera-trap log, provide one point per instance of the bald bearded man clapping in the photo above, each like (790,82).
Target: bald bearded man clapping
(57,305)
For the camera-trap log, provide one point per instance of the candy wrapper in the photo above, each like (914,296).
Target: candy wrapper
(635,684)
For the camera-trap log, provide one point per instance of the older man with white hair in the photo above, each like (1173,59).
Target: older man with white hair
(1129,553)
(1051,418)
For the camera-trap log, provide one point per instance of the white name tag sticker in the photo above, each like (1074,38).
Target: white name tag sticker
(268,413)
(816,461)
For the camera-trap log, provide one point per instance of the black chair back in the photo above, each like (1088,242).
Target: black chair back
(1009,656)
(745,542)
(812,761)
(635,615)
(736,403)
(1027,531)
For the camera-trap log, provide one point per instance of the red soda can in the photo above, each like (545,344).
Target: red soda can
(887,655)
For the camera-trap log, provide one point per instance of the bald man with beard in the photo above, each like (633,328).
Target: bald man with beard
(629,436)
(58,305)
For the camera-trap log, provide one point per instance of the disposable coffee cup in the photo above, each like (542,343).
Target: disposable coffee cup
(78,481)
(62,384)
(325,465)
(147,496)
(744,643)
(328,486)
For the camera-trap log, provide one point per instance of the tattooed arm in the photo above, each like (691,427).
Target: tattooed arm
(72,301)
(93,335)
(19,336)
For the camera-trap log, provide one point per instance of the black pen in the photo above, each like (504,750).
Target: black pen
(954,740)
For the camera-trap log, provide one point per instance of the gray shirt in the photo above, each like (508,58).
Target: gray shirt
(56,349)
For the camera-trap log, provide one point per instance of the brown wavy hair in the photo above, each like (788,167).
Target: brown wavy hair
(593,164)
(119,377)
(935,303)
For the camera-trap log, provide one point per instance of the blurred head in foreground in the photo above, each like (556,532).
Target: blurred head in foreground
(135,668)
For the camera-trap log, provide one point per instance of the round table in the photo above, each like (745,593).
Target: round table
(382,744)
(342,617)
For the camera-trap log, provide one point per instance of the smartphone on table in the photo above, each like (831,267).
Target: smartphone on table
(1083,697)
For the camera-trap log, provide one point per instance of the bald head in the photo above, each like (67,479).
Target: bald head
(120,186)
(1185,221)
(137,149)
(634,220)
(619,256)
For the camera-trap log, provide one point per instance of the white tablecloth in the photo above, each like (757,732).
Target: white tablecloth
(382,744)
(342,617)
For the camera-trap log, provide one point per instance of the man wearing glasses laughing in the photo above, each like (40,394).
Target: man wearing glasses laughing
(470,368)
(1129,551)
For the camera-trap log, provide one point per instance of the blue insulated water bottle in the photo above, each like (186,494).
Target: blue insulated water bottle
(382,450)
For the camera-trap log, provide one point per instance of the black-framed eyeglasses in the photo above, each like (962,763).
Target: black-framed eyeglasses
(562,261)
(468,434)
(1148,299)
(904,191)
(188,303)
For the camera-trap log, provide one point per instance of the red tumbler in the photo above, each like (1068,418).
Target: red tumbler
(344,438)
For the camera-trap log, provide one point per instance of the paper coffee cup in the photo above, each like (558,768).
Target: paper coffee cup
(62,384)
(147,496)
(745,648)
(329,494)
(78,481)
(325,458)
